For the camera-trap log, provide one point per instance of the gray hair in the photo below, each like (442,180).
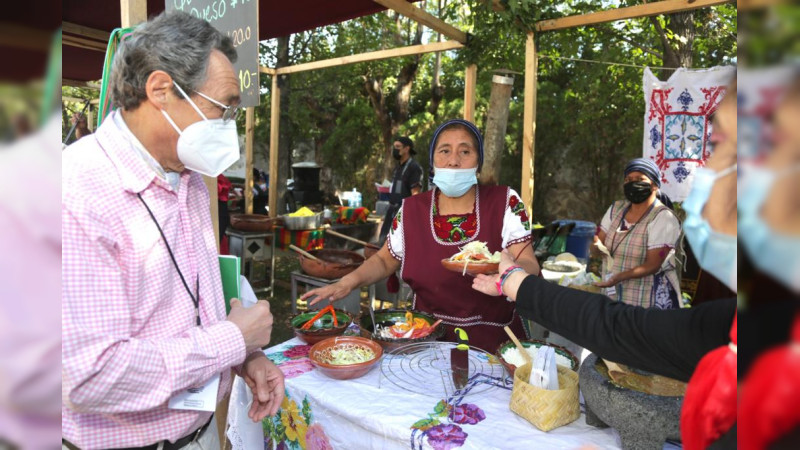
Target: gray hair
(175,42)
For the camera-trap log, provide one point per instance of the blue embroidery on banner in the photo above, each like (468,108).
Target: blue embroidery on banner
(683,136)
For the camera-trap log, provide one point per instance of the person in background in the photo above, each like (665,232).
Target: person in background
(260,192)
(406,181)
(431,226)
(641,232)
(697,344)
(143,314)
(224,187)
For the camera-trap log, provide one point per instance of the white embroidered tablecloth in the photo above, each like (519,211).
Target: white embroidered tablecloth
(371,412)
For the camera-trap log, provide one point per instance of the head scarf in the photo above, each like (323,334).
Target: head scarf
(647,167)
(471,127)
(651,171)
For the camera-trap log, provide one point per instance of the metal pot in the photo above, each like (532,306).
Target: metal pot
(302,222)
(332,263)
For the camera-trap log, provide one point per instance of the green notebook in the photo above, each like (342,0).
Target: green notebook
(229,270)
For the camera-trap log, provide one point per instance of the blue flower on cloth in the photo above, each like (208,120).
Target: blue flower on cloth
(685,99)
(681,172)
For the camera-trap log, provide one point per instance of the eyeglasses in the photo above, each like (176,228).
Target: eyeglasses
(228,112)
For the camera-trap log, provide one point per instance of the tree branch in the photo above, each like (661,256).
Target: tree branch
(661,33)
(642,47)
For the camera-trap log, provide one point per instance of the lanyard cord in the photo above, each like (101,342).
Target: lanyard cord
(195,299)
(629,230)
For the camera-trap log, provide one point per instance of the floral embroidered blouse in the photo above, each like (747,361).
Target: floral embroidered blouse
(461,228)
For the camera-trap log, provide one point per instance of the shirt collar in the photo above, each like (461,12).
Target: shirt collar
(135,174)
(173,178)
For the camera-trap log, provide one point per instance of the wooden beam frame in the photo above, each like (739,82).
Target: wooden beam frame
(80,30)
(370,56)
(424,18)
(630,12)
(266,70)
(529,123)
(470,81)
(274,135)
(80,84)
(133,12)
(88,44)
(249,138)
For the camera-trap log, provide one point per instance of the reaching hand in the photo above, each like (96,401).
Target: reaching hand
(486,284)
(331,292)
(265,380)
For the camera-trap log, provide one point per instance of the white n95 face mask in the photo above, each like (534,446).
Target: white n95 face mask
(209,146)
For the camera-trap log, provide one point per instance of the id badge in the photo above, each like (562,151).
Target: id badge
(202,398)
(611,291)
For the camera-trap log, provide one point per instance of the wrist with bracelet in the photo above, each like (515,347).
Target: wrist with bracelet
(505,276)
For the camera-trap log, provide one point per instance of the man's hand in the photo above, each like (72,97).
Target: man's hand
(265,380)
(255,323)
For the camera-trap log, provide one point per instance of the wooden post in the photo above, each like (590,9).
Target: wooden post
(249,138)
(274,127)
(494,140)
(132,12)
(529,123)
(470,78)
(90,118)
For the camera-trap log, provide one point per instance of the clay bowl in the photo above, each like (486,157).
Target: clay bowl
(319,333)
(472,268)
(334,263)
(252,222)
(388,317)
(320,357)
(534,343)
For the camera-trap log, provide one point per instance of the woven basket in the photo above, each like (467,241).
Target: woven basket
(546,409)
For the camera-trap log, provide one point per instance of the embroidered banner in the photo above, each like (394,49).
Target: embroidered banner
(677,123)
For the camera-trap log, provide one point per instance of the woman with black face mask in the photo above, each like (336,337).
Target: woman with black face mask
(641,233)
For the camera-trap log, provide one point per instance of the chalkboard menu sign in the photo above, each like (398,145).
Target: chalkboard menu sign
(237,19)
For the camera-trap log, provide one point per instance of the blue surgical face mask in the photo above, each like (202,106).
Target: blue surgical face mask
(455,182)
(774,253)
(715,251)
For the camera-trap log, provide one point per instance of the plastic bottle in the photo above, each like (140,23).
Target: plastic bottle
(355,199)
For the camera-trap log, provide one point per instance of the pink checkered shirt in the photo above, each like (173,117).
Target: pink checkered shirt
(130,340)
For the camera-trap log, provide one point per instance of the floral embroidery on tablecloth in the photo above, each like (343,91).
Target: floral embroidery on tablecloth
(293,361)
(293,428)
(441,427)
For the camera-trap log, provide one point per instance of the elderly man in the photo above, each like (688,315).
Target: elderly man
(147,349)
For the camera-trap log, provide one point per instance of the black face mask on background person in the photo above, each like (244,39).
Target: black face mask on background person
(396,154)
(637,191)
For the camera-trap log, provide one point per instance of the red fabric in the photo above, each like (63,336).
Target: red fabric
(223,188)
(709,408)
(771,394)
(454,227)
(393,284)
(449,295)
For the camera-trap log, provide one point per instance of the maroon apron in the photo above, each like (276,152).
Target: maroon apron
(449,295)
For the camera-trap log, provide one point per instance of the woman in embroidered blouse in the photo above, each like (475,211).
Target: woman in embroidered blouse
(433,225)
(641,233)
